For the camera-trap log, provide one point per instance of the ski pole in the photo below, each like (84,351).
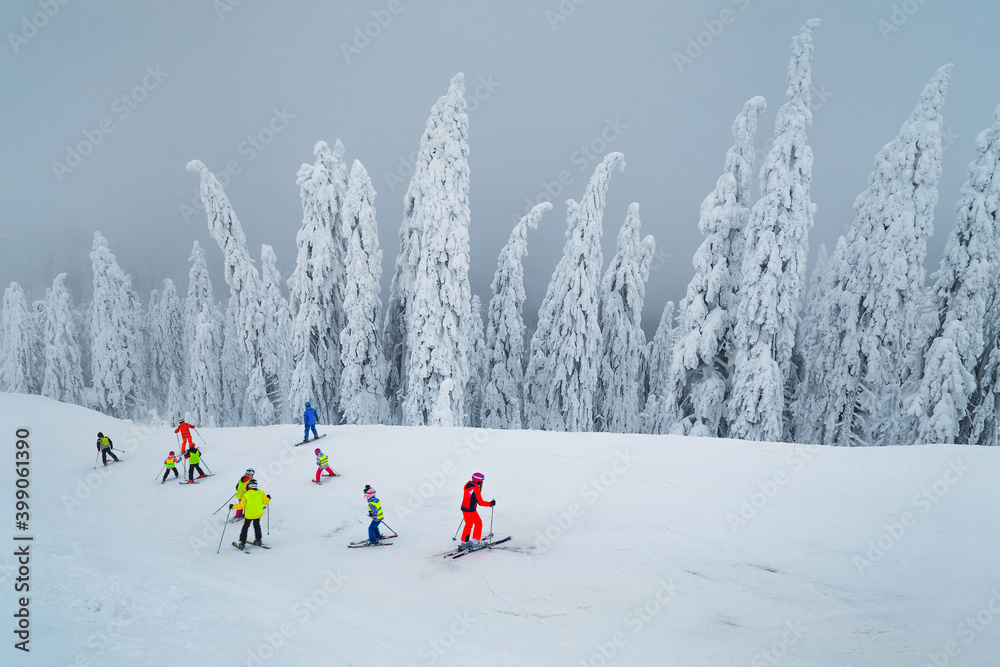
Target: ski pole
(97,459)
(209,469)
(389,528)
(268,507)
(199,435)
(161,470)
(455,536)
(491,519)
(223,504)
(223,532)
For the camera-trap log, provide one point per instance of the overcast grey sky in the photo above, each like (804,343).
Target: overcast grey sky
(249,85)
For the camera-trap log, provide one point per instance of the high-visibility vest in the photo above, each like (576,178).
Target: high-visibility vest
(375,508)
(322,461)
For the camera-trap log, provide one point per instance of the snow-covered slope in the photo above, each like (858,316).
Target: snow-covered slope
(633,550)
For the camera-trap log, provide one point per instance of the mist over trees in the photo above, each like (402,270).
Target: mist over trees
(869,354)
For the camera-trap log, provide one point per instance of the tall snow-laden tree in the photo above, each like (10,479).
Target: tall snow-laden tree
(116,360)
(165,340)
(277,329)
(477,364)
(774,260)
(62,373)
(623,292)
(203,342)
(699,380)
(503,378)
(438,318)
(244,357)
(874,291)
(318,285)
(19,352)
(657,416)
(362,392)
(565,355)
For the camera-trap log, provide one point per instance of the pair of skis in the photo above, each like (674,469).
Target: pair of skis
(487,544)
(320,482)
(195,480)
(244,548)
(365,543)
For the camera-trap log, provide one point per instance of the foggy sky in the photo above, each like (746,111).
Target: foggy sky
(251,86)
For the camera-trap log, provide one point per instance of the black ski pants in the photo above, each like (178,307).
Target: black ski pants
(246,529)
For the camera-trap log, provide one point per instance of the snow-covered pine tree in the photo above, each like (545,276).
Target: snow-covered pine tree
(477,364)
(277,329)
(165,349)
(656,416)
(966,293)
(245,316)
(503,377)
(561,377)
(874,291)
(62,374)
(699,380)
(363,381)
(773,270)
(203,342)
(318,285)
(623,293)
(438,311)
(116,360)
(19,352)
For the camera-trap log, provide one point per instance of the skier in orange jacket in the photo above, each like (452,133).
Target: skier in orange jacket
(185,430)
(470,502)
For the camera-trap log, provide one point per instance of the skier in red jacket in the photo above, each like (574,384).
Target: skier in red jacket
(470,502)
(185,430)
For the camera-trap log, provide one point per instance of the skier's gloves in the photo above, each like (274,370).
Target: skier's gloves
(231,506)
(268,496)
(493,503)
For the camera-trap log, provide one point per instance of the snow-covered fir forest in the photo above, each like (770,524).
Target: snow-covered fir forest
(862,350)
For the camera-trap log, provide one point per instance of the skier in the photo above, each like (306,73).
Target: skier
(470,502)
(241,489)
(171,463)
(309,419)
(322,463)
(185,430)
(252,504)
(105,447)
(194,459)
(375,512)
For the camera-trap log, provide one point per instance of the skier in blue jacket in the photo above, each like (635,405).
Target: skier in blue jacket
(309,419)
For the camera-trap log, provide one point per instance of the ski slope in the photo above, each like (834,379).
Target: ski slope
(629,550)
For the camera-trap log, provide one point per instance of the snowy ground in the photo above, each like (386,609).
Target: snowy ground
(630,550)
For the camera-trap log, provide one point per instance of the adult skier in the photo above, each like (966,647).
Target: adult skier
(171,463)
(194,459)
(241,489)
(309,419)
(252,504)
(375,512)
(105,447)
(185,430)
(470,502)
(322,463)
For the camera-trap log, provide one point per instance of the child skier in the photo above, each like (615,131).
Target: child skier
(252,504)
(194,459)
(171,463)
(309,419)
(322,463)
(375,512)
(241,489)
(470,502)
(104,446)
(185,430)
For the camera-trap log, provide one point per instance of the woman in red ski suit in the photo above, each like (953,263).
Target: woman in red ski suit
(470,502)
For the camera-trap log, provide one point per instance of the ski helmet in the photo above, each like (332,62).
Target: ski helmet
(307,404)
(478,478)
(250,471)
(171,453)
(369,491)
(252,484)
(182,421)
(317,450)
(100,435)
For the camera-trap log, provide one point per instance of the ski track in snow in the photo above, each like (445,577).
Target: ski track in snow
(621,544)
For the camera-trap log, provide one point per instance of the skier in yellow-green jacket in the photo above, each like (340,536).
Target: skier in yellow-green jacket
(252,504)
(193,455)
